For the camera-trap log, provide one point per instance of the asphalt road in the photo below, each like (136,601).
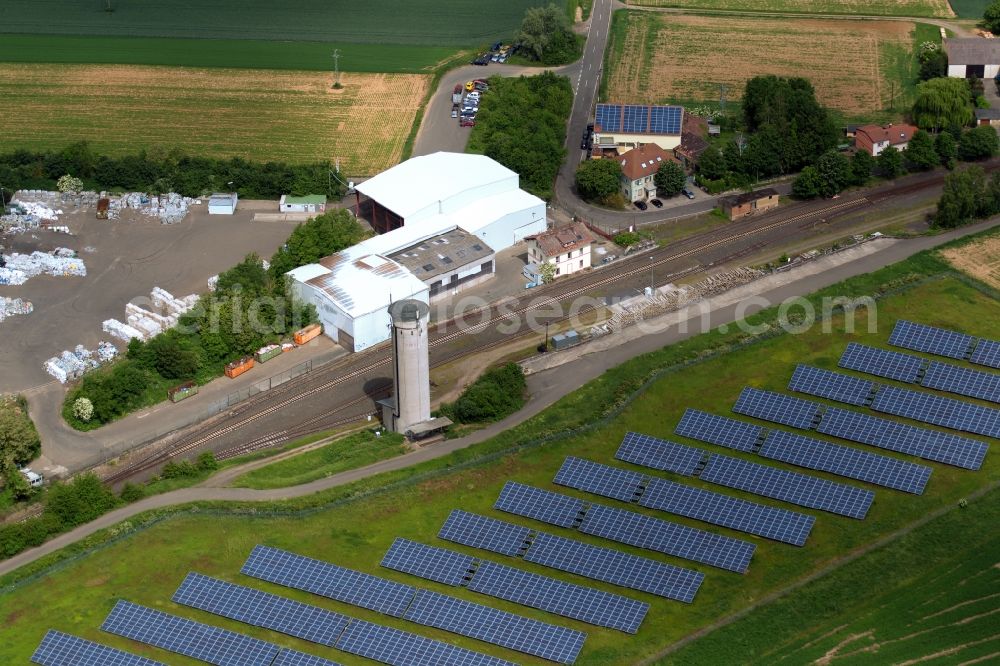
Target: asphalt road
(545,389)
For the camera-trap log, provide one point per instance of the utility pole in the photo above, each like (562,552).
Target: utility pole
(651,274)
(336,68)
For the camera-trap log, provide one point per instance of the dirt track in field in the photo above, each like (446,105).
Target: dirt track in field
(980,260)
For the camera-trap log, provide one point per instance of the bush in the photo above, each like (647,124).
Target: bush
(547,37)
(205,462)
(497,394)
(131,493)
(627,238)
(19,440)
(596,180)
(178,470)
(79,501)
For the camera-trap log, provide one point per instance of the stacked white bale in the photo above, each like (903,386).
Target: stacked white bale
(14,306)
(121,331)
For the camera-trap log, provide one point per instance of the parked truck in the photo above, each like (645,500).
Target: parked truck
(456,94)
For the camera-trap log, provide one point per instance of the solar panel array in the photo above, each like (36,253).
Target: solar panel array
(894,436)
(539,504)
(882,362)
(987,352)
(733,434)
(529,589)
(645,450)
(220,647)
(793,487)
(845,461)
(595,562)
(665,119)
(705,505)
(59,649)
(923,338)
(631,528)
(832,385)
(639,119)
(437,564)
(938,410)
(402,648)
(963,381)
(777,407)
(417,605)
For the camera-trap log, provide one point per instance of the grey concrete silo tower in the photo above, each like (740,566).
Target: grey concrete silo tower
(410,365)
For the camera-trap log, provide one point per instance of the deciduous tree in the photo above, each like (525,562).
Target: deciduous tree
(890,163)
(978,143)
(598,179)
(920,153)
(942,102)
(669,179)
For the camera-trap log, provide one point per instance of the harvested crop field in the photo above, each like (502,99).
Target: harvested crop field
(679,58)
(860,7)
(981,260)
(255,114)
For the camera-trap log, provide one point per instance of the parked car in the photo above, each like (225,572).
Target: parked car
(454,110)
(473,95)
(583,144)
(496,46)
(480,86)
(656,202)
(590,127)
(586,134)
(467,121)
(641,205)
(482,60)
(688,193)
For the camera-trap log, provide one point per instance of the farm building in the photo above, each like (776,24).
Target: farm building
(448,262)
(442,190)
(742,205)
(222,204)
(988,117)
(639,166)
(623,126)
(312,203)
(973,57)
(567,248)
(873,139)
(693,141)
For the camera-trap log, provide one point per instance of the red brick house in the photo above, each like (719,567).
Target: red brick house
(873,139)
(742,205)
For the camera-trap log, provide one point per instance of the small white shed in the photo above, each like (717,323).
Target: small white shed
(222,203)
(312,203)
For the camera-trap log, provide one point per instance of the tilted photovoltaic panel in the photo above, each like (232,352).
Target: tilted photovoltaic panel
(59,649)
(922,338)
(187,637)
(615,567)
(490,534)
(539,504)
(737,514)
(665,120)
(261,609)
(636,119)
(987,352)
(732,434)
(602,609)
(401,648)
(882,362)
(938,410)
(777,407)
(328,580)
(437,564)
(793,487)
(659,454)
(288,657)
(465,618)
(608,117)
(613,482)
(832,385)
(636,529)
(963,381)
(845,461)
(894,436)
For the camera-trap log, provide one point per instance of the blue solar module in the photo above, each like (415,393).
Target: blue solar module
(59,649)
(515,632)
(639,119)
(665,120)
(793,487)
(608,117)
(733,434)
(261,609)
(987,352)
(289,657)
(844,461)
(401,648)
(947,412)
(613,482)
(437,564)
(659,454)
(882,362)
(489,534)
(604,564)
(777,407)
(963,381)
(940,341)
(328,580)
(187,637)
(539,504)
(833,385)
(894,436)
(636,529)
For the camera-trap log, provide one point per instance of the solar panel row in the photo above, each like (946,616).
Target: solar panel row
(639,119)
(987,352)
(922,338)
(705,505)
(651,452)
(882,362)
(59,649)
(832,385)
(963,381)
(632,528)
(542,505)
(938,410)
(732,434)
(402,648)
(777,407)
(604,564)
(417,605)
(437,564)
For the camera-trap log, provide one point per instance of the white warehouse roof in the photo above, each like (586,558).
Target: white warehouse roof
(488,210)
(422,181)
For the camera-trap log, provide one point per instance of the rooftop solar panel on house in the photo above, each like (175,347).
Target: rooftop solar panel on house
(659,454)
(608,117)
(922,338)
(733,434)
(833,385)
(59,649)
(539,504)
(882,362)
(963,381)
(777,407)
(793,487)
(938,410)
(987,352)
(845,461)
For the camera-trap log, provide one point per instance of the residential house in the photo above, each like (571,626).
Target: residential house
(742,205)
(639,166)
(567,248)
(693,142)
(873,139)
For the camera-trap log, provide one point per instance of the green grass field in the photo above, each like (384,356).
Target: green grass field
(859,7)
(970,9)
(359,522)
